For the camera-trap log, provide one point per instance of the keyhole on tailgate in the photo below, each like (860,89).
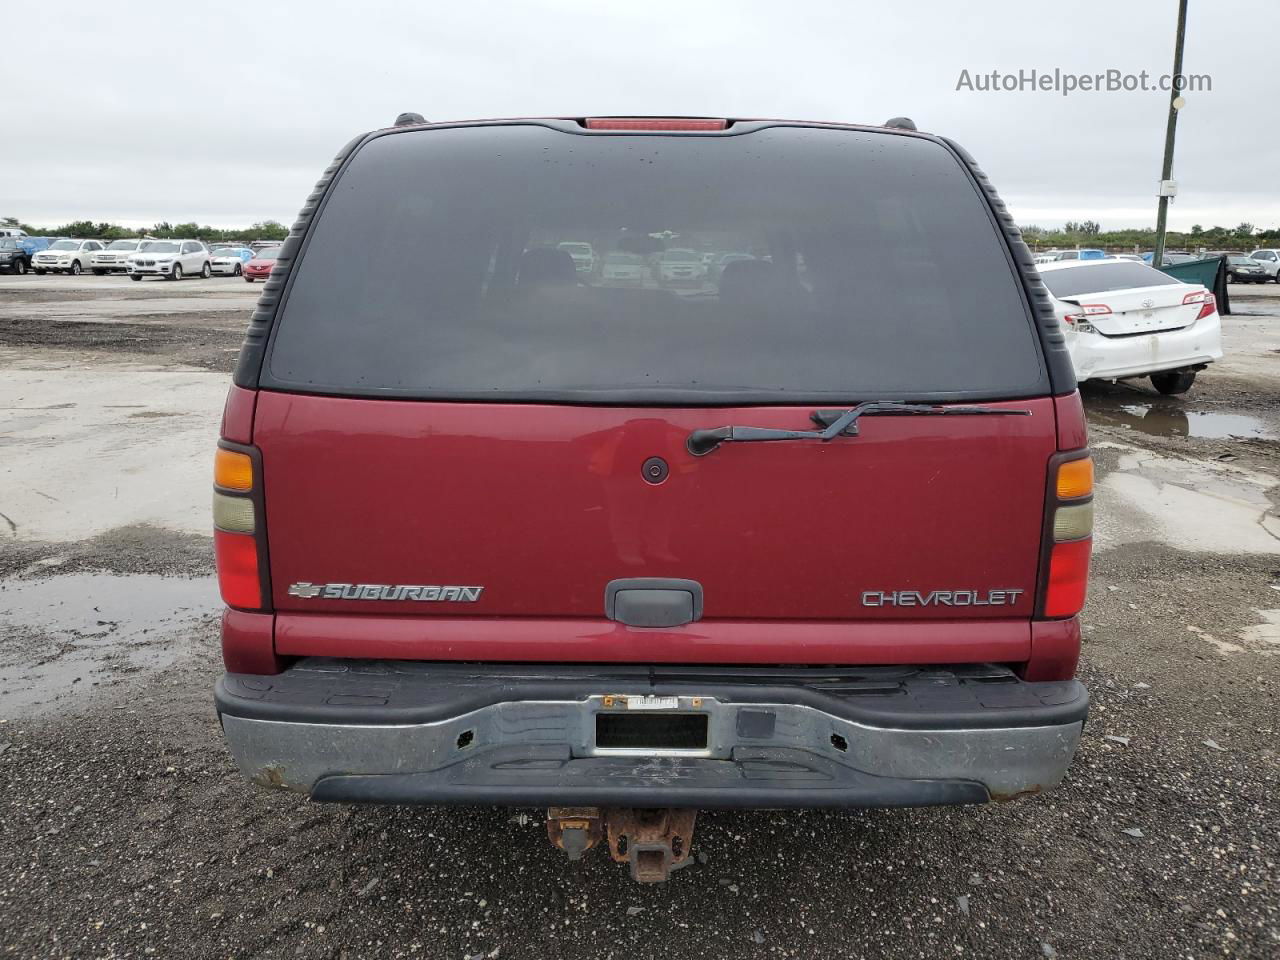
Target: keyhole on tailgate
(655,470)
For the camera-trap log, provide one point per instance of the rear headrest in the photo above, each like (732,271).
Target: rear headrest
(748,281)
(546,266)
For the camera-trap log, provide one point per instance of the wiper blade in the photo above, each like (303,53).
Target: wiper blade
(835,422)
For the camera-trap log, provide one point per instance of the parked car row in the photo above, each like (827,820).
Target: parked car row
(1087,253)
(1257,267)
(136,257)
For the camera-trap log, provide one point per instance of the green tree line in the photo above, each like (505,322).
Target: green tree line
(101,230)
(1089,233)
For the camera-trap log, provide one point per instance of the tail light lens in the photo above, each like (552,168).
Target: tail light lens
(237,559)
(1068,535)
(239,537)
(233,470)
(1087,310)
(1209,303)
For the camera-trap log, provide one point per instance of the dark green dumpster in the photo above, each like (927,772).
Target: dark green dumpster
(1211,272)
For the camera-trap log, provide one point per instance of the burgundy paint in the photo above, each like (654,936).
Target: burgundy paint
(1073,429)
(543,505)
(602,641)
(247,643)
(1055,650)
(237,415)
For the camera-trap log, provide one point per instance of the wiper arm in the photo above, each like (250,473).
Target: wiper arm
(835,423)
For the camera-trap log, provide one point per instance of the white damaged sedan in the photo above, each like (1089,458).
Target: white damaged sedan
(1123,320)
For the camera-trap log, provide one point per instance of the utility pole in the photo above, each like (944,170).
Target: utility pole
(1175,104)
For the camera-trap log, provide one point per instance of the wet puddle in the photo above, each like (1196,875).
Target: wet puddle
(1174,419)
(1253,305)
(62,636)
(1187,504)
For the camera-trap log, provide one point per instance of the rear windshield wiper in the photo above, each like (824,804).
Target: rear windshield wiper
(836,423)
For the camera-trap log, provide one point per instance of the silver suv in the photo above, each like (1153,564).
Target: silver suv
(66,256)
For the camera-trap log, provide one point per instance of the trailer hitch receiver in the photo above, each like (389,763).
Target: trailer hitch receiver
(653,842)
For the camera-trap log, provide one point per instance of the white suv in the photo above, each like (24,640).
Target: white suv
(171,259)
(115,255)
(65,256)
(1270,260)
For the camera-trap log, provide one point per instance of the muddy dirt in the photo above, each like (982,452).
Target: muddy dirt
(208,341)
(125,831)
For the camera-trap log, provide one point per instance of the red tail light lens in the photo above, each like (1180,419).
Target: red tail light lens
(238,579)
(1068,578)
(1087,310)
(654,123)
(1209,303)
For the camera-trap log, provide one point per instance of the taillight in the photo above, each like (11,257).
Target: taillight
(1068,535)
(1209,303)
(239,537)
(654,123)
(1087,310)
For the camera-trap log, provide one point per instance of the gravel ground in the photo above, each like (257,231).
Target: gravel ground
(125,832)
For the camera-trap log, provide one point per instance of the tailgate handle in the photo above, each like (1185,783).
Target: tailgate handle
(653,601)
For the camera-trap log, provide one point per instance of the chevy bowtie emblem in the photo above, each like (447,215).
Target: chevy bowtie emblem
(307,590)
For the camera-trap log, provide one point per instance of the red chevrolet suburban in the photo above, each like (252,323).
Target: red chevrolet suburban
(808,530)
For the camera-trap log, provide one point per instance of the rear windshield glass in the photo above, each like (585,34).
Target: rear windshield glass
(873,269)
(1112,275)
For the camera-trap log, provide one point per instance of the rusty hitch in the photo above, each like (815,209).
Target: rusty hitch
(652,841)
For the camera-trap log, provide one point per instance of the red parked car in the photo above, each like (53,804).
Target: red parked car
(259,268)
(812,533)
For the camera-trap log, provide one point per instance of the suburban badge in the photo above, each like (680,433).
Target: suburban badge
(379,591)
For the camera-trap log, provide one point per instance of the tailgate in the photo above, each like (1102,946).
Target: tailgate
(1143,310)
(528,511)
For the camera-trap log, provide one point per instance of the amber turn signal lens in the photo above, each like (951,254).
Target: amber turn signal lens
(1075,479)
(234,471)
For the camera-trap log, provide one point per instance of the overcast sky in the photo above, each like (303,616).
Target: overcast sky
(225,113)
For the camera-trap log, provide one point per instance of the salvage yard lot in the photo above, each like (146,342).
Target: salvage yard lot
(124,829)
